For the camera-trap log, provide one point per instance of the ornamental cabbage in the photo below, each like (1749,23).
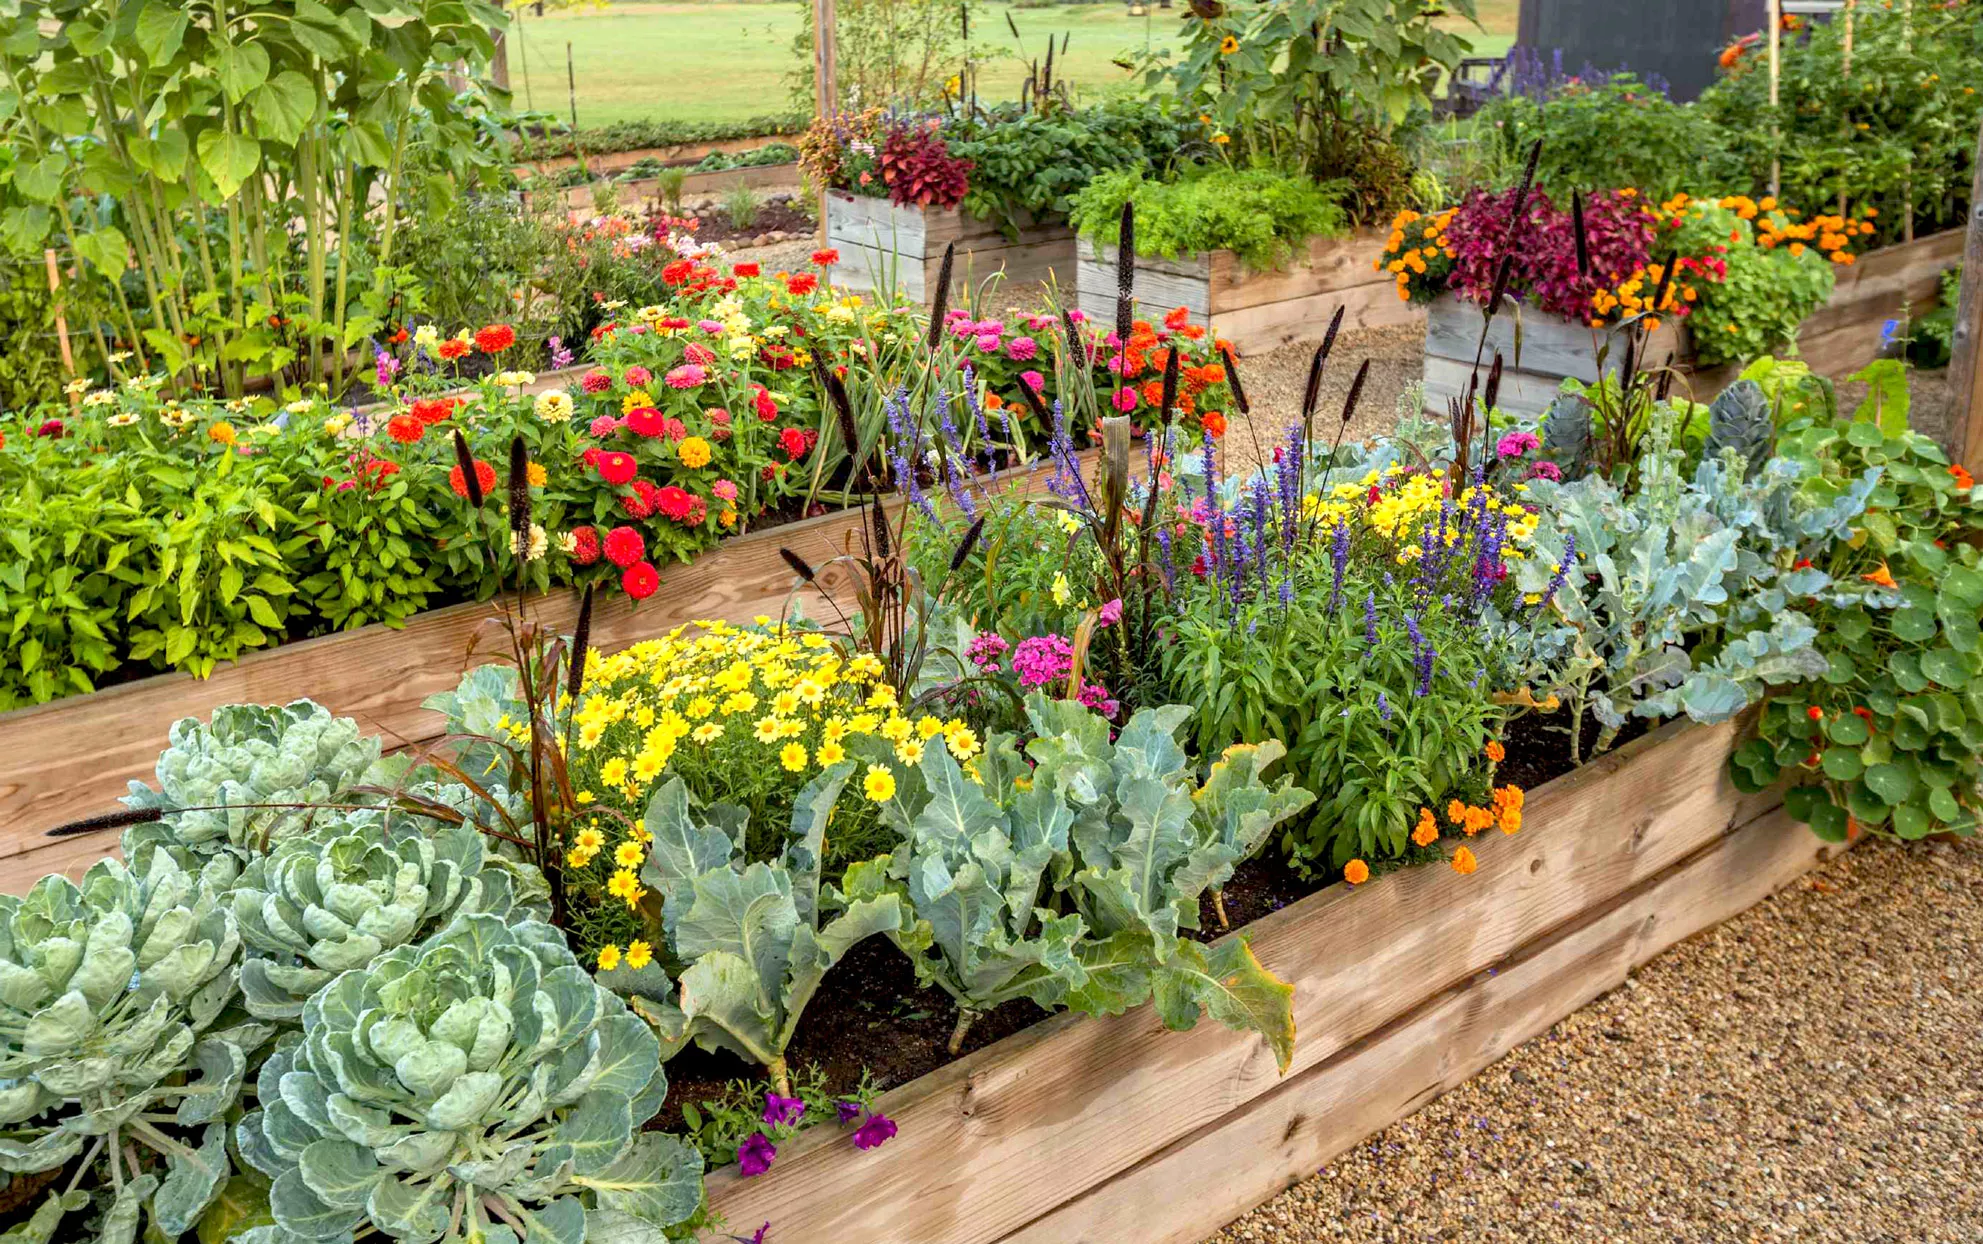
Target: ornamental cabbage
(476,1086)
(750,933)
(251,754)
(109,992)
(357,886)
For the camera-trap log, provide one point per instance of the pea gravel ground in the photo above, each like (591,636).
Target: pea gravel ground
(1806,1071)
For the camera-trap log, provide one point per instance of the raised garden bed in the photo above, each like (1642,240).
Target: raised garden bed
(647,190)
(1257,311)
(620,161)
(882,244)
(1086,1131)
(1538,350)
(73,757)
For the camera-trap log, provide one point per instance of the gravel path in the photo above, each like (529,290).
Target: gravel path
(1808,1070)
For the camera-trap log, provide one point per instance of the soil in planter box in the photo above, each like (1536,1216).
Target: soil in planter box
(778,213)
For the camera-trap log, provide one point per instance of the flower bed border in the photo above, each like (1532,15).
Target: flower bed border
(877,238)
(1086,1131)
(73,757)
(1257,311)
(647,190)
(1551,348)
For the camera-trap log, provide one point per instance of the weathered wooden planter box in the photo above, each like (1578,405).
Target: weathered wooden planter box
(1838,339)
(1256,311)
(883,245)
(73,757)
(1550,349)
(646,191)
(1116,1131)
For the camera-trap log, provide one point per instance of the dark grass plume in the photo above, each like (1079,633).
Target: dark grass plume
(1522,189)
(1355,393)
(519,484)
(1501,276)
(1583,239)
(1311,392)
(1232,378)
(843,412)
(1329,337)
(1125,274)
(969,542)
(123,819)
(800,566)
(1170,388)
(940,303)
(1493,389)
(1072,331)
(1033,401)
(470,482)
(883,547)
(581,642)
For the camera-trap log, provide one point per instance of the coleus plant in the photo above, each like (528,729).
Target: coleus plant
(479,1086)
(111,993)
(357,886)
(751,933)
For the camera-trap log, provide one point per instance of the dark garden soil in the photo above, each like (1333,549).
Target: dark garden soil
(778,214)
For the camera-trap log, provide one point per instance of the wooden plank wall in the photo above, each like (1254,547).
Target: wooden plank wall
(1258,311)
(1080,1129)
(73,757)
(881,242)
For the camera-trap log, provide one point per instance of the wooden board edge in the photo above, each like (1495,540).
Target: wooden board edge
(1203,1181)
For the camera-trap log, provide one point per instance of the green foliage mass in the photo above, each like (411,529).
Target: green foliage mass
(1262,216)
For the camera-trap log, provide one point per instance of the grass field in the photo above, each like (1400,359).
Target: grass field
(728,59)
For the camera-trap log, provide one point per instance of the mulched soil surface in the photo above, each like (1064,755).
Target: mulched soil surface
(1807,1070)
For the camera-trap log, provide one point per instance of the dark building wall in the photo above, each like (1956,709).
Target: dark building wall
(1676,39)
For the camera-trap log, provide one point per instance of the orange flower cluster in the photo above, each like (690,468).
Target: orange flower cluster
(1147,352)
(1504,810)
(1833,235)
(1635,295)
(1418,252)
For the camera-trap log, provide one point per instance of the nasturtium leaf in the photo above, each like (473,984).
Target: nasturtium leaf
(1947,667)
(1942,802)
(1913,625)
(1865,806)
(1841,764)
(1906,669)
(1910,821)
(1848,728)
(1828,821)
(1891,782)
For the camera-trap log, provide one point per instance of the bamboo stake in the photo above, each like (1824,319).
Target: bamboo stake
(1964,426)
(61,321)
(826,98)
(1776,73)
(1845,71)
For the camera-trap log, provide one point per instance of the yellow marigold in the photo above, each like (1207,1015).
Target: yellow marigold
(793,757)
(590,840)
(770,729)
(639,954)
(879,785)
(624,884)
(830,754)
(1356,872)
(694,452)
(1464,862)
(909,752)
(613,772)
(609,957)
(963,742)
(707,733)
(536,474)
(928,728)
(896,729)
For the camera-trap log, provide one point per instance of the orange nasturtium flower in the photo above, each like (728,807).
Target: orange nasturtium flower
(1881,577)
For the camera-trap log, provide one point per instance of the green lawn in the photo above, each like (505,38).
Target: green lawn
(727,59)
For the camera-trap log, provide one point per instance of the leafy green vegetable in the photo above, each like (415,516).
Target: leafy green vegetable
(1266,218)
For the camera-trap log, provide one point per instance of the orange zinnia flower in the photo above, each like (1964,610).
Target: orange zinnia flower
(1356,872)
(1881,577)
(1215,424)
(1463,862)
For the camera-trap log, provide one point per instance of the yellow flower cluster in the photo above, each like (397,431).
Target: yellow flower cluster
(1400,506)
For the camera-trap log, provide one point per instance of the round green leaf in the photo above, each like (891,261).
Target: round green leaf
(1828,821)
(1841,670)
(1906,670)
(1946,666)
(1915,626)
(1912,822)
(1848,728)
(1942,802)
(1841,764)
(1891,782)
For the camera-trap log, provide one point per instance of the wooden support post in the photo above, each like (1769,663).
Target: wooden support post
(61,319)
(826,97)
(1964,426)
(1776,73)
(1845,71)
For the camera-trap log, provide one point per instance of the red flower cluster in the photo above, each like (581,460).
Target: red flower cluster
(432,410)
(625,546)
(495,338)
(405,428)
(485,475)
(585,548)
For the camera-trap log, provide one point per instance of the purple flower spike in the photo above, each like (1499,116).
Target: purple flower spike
(755,1155)
(1370,621)
(876,1132)
(782,1111)
(1111,613)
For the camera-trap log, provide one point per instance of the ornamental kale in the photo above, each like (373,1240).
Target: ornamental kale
(110,991)
(351,889)
(477,1086)
(750,933)
(251,755)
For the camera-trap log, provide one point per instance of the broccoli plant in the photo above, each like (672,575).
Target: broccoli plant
(476,1086)
(230,770)
(357,886)
(750,933)
(110,1057)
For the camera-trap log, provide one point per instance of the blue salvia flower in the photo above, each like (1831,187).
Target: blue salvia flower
(1011,437)
(1216,518)
(978,417)
(1562,572)
(1262,505)
(1287,591)
(1370,621)
(1478,674)
(1290,487)
(1164,557)
(1066,483)
(899,418)
(1383,706)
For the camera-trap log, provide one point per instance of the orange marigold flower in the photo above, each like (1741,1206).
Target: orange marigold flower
(1356,872)
(1215,424)
(1426,832)
(1495,752)
(1464,862)
(1477,820)
(1511,820)
(1881,577)
(1456,812)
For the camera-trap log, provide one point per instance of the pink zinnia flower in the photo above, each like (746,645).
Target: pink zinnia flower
(596,382)
(1546,470)
(636,376)
(699,354)
(1033,380)
(604,425)
(1515,444)
(1124,400)
(1021,349)
(725,488)
(712,327)
(687,376)
(988,342)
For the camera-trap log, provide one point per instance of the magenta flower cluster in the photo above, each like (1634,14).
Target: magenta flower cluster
(1617,227)
(756,1154)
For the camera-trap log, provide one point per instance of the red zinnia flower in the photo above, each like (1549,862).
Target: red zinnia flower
(596,382)
(640,580)
(674,502)
(453,348)
(495,338)
(745,269)
(485,475)
(802,284)
(767,410)
(616,468)
(585,545)
(432,410)
(793,441)
(826,258)
(625,546)
(646,421)
(677,272)
(644,501)
(405,429)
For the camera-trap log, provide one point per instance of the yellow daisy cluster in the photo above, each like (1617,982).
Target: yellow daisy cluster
(718,695)
(1399,505)
(623,869)
(1418,253)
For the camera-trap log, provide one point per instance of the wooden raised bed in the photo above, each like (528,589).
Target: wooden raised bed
(1839,338)
(1257,311)
(715,181)
(620,161)
(1116,1131)
(883,244)
(73,757)
(1551,348)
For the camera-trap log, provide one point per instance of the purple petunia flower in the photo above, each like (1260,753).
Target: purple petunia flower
(847,1110)
(783,1111)
(876,1132)
(755,1155)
